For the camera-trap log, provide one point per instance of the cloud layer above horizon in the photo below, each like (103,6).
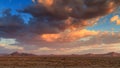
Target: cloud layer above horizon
(59,25)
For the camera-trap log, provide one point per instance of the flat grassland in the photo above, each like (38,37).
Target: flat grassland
(58,62)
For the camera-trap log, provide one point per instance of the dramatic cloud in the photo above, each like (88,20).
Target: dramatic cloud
(53,16)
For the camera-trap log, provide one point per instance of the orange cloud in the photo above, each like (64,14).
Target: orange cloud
(118,22)
(116,19)
(50,37)
(68,36)
(46,2)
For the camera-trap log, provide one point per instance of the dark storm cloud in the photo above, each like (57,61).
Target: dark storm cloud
(52,16)
(72,8)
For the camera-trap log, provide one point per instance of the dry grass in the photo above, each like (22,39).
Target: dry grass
(59,62)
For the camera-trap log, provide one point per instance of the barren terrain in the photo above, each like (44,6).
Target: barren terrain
(58,62)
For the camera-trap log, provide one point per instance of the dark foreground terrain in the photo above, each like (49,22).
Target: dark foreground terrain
(58,62)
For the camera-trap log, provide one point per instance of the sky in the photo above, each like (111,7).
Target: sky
(59,27)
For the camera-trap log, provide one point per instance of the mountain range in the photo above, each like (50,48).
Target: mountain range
(110,54)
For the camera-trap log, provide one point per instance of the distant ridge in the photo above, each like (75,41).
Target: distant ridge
(110,54)
(113,54)
(21,54)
